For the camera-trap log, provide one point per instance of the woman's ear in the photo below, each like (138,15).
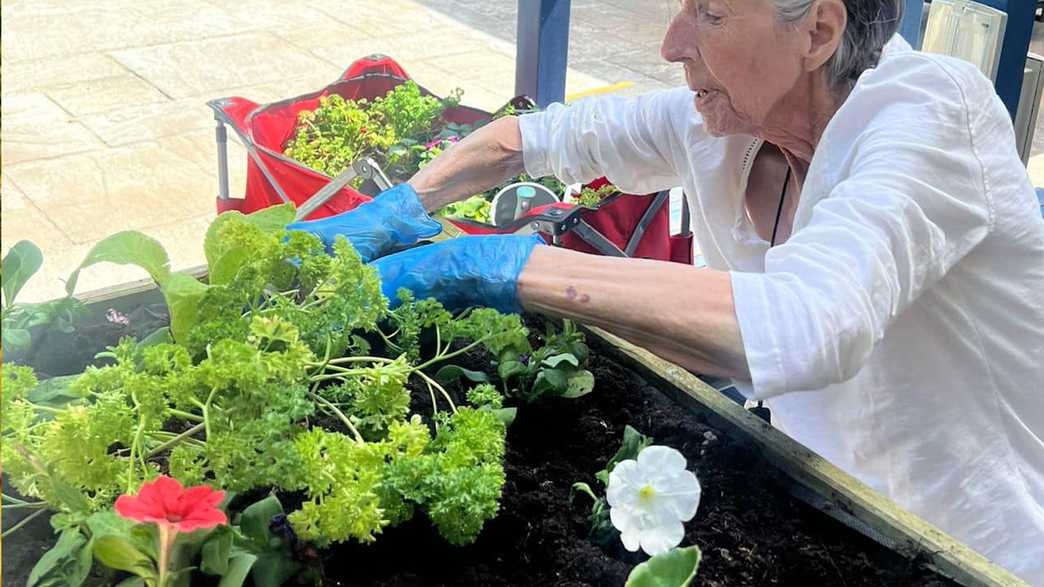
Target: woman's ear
(825,27)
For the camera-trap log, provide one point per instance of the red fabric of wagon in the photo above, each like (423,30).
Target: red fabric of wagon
(266,128)
(271,176)
(617,219)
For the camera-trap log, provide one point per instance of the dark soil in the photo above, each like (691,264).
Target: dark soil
(54,353)
(750,530)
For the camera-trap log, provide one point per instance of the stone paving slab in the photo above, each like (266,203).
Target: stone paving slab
(104,94)
(21,77)
(22,218)
(34,127)
(92,195)
(340,45)
(192,68)
(99,26)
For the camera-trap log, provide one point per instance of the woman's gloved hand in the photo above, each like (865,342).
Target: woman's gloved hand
(460,272)
(394,218)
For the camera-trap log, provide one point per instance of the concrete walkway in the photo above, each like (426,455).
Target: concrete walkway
(105,126)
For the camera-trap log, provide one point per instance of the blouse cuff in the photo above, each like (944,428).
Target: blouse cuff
(534,144)
(761,342)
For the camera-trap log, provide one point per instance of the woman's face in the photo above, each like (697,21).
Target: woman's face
(739,58)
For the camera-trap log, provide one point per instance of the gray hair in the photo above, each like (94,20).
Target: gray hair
(871,23)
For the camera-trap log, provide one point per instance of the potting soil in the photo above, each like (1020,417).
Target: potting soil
(751,532)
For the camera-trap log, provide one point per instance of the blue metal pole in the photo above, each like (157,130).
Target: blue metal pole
(1017,34)
(543,45)
(910,27)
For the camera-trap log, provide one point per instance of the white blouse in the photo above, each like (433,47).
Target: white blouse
(899,332)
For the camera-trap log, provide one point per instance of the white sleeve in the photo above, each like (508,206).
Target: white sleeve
(633,142)
(912,205)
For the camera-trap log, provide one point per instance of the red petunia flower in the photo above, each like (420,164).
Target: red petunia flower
(167,503)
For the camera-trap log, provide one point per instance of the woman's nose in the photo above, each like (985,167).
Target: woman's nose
(678,39)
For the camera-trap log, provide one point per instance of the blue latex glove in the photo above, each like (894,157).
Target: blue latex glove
(460,272)
(394,218)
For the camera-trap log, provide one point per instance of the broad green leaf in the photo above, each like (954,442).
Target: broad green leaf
(68,494)
(451,373)
(274,568)
(238,569)
(67,564)
(550,382)
(581,487)
(216,552)
(256,517)
(132,582)
(275,563)
(196,537)
(506,415)
(580,383)
(674,568)
(159,336)
(19,264)
(127,248)
(15,339)
(633,443)
(55,392)
(182,577)
(508,369)
(227,266)
(556,360)
(183,294)
(117,552)
(272,220)
(145,537)
(109,523)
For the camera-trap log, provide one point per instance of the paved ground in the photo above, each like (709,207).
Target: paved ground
(104,122)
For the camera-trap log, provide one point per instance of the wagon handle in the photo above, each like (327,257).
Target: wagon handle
(366,168)
(221,136)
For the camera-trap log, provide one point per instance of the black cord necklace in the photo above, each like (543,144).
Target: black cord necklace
(779,211)
(759,409)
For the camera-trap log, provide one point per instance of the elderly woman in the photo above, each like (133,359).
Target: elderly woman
(875,252)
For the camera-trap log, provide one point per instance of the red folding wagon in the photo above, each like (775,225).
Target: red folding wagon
(622,225)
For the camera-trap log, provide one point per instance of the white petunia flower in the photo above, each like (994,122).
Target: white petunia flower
(650,497)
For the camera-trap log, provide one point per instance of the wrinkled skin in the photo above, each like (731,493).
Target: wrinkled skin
(755,74)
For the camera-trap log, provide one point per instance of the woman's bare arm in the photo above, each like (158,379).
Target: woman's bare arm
(484,159)
(683,314)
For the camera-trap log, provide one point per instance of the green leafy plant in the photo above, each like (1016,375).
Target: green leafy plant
(556,369)
(602,530)
(400,130)
(18,320)
(285,373)
(592,198)
(675,568)
(476,208)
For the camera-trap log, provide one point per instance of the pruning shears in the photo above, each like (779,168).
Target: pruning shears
(525,208)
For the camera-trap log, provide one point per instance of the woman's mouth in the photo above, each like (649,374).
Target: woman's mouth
(703,96)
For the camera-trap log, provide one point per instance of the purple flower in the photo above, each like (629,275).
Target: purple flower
(441,143)
(524,359)
(117,318)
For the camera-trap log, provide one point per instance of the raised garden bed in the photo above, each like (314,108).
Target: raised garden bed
(749,527)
